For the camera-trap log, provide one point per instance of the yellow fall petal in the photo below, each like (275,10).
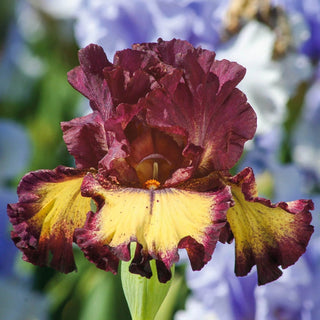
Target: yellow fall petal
(159,220)
(49,210)
(266,235)
(62,209)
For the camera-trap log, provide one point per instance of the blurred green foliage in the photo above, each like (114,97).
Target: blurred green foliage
(89,293)
(6,16)
(41,103)
(294,108)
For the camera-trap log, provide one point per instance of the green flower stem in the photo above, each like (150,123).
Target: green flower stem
(144,296)
(176,292)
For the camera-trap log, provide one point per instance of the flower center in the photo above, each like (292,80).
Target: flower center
(153,170)
(152,184)
(154,154)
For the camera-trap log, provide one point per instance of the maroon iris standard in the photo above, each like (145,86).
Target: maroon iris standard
(167,125)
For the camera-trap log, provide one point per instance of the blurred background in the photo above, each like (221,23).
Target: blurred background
(278,41)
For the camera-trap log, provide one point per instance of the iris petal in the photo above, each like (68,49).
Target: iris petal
(161,221)
(50,208)
(88,78)
(86,139)
(199,102)
(266,235)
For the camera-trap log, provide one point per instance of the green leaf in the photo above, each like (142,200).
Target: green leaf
(176,291)
(100,301)
(144,296)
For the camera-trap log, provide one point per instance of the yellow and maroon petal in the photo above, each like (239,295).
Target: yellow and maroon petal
(50,207)
(160,221)
(266,235)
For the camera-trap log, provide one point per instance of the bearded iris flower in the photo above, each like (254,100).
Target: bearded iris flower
(167,125)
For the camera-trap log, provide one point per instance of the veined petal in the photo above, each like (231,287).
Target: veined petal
(229,74)
(50,207)
(126,87)
(266,235)
(114,164)
(199,103)
(160,221)
(88,78)
(133,60)
(170,52)
(86,139)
